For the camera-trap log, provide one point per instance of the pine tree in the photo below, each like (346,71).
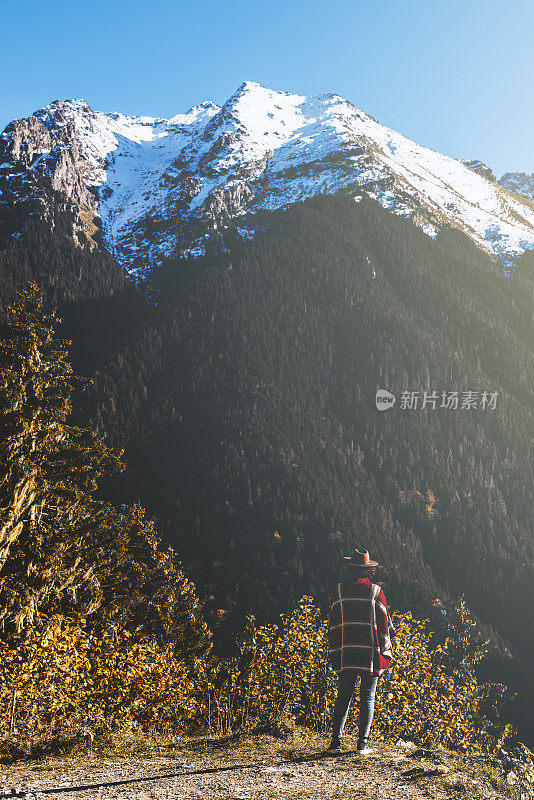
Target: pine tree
(49,470)
(62,550)
(143,588)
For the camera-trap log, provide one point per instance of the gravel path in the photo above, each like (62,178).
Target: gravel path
(384,775)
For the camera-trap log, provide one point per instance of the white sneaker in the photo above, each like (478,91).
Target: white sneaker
(365,750)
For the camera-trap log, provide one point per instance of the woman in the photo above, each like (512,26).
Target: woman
(359,639)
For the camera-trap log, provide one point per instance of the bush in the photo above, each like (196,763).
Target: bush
(63,672)
(282,672)
(279,677)
(429,699)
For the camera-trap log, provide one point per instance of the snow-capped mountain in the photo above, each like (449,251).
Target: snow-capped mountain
(148,188)
(480,168)
(519,182)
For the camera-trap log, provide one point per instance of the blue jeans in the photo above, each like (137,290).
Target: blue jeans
(345,691)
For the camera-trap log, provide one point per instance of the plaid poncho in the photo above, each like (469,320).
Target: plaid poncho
(360,628)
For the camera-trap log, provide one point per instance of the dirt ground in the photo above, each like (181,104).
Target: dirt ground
(246,771)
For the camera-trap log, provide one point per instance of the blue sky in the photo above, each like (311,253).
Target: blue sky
(455,76)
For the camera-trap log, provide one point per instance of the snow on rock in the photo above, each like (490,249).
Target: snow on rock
(519,182)
(159,187)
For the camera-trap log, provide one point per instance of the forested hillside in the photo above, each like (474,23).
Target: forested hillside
(102,631)
(243,390)
(247,408)
(46,253)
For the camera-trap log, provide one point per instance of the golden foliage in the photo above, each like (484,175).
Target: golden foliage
(279,674)
(431,501)
(63,669)
(424,696)
(283,672)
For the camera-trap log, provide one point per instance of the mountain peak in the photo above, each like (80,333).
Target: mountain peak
(72,105)
(480,168)
(204,110)
(250,86)
(256,93)
(257,89)
(156,185)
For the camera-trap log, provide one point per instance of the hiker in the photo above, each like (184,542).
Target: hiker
(359,641)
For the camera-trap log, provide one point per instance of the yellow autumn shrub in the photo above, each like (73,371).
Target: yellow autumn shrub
(280,672)
(421,696)
(279,675)
(283,671)
(62,669)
